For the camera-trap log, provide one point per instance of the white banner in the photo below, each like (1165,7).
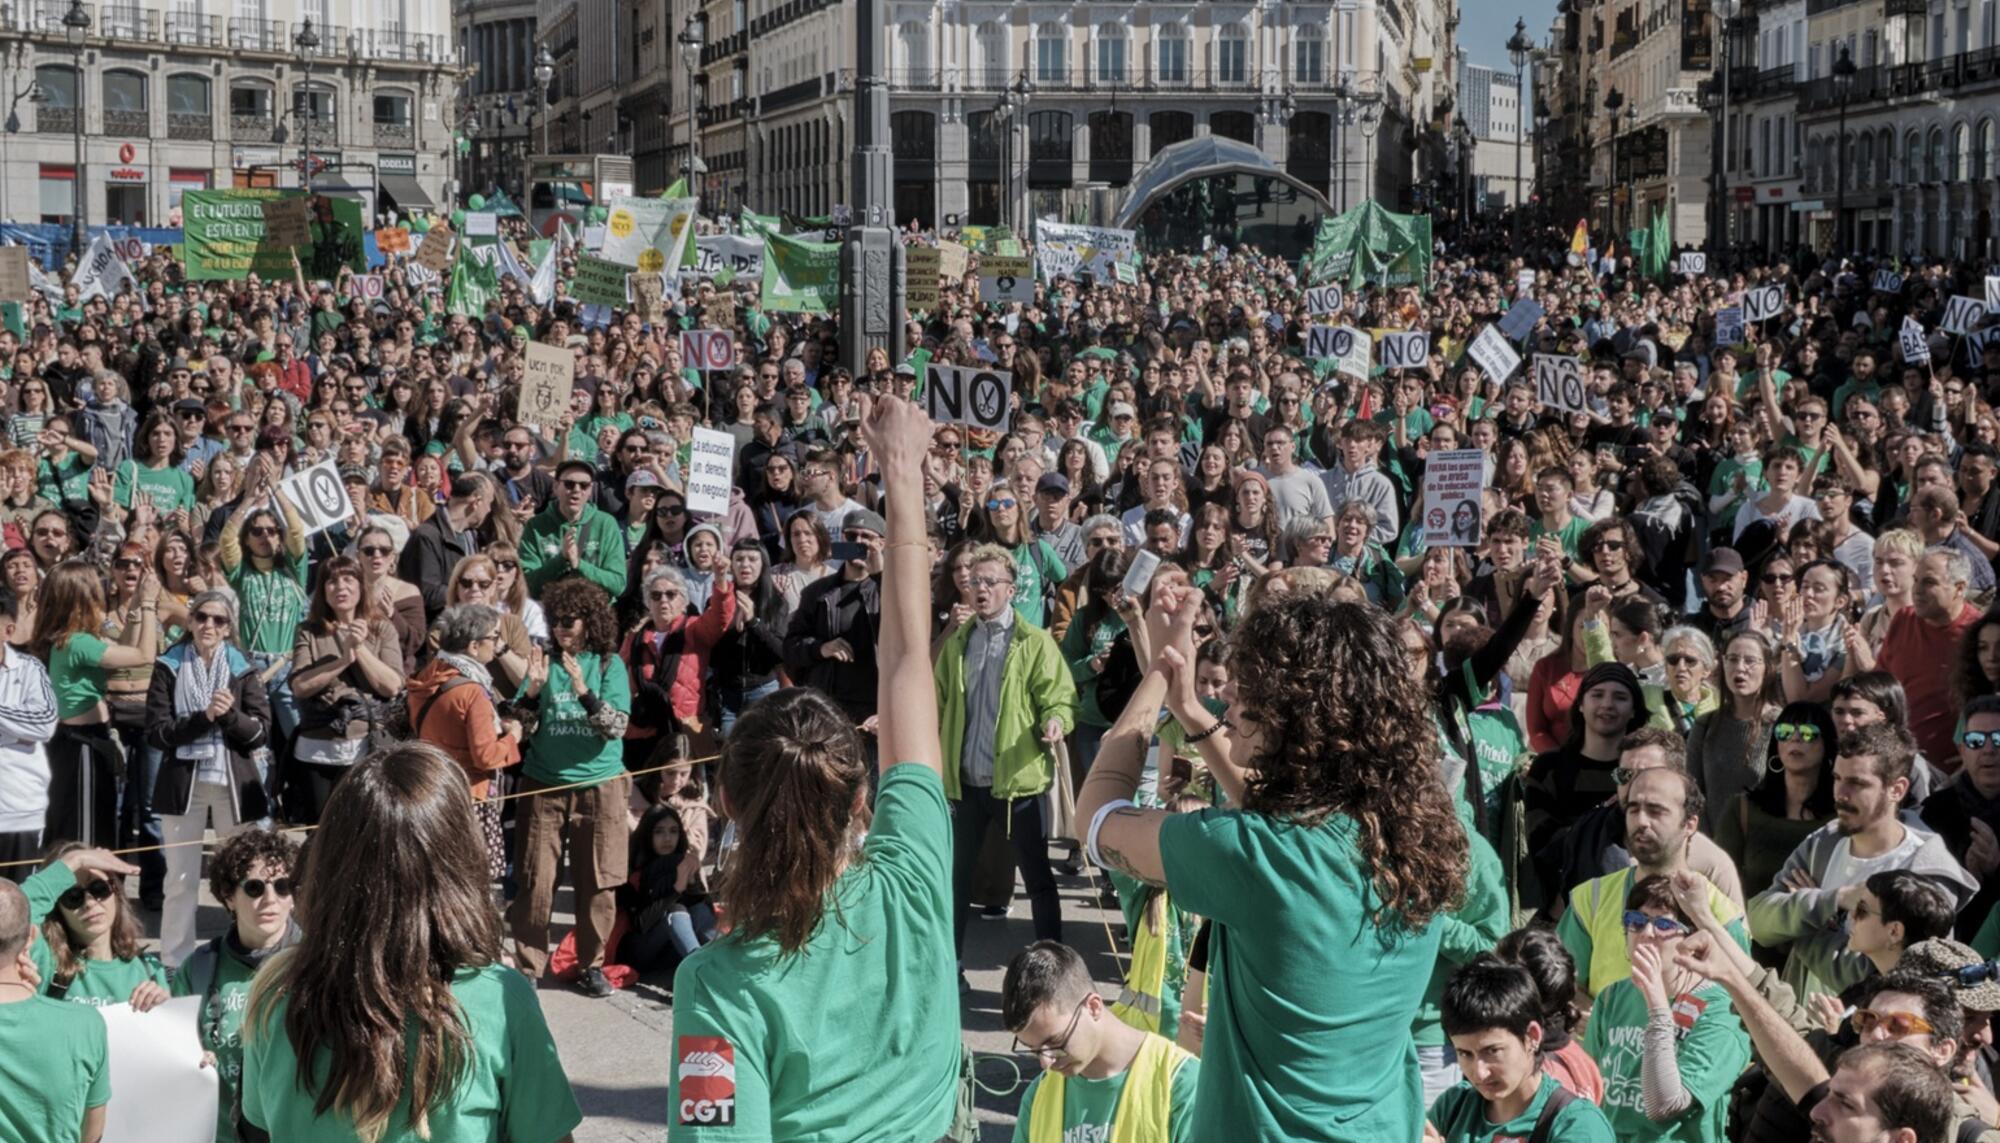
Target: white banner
(711,468)
(1452,483)
(103,272)
(1120,242)
(1491,352)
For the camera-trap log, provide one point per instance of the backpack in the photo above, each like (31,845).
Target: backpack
(392,724)
(1545,1123)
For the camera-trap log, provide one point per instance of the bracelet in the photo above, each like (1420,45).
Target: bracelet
(1205,735)
(1097,823)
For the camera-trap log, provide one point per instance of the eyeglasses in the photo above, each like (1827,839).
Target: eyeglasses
(1779,577)
(128,564)
(1795,732)
(997,505)
(1979,739)
(262,531)
(988,580)
(208,619)
(1684,661)
(507,565)
(377,551)
(1636,921)
(1897,1024)
(1056,1047)
(242,428)
(576,485)
(1101,542)
(99,890)
(254,888)
(476,584)
(662,596)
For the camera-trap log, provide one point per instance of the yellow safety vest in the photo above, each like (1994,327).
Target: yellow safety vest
(1145,1106)
(1600,905)
(1138,1003)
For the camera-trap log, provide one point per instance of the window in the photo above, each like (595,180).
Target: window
(58,194)
(992,47)
(392,108)
(1309,55)
(318,102)
(1982,152)
(1934,167)
(124,91)
(1913,158)
(1232,55)
(1960,154)
(1864,165)
(1173,53)
(253,102)
(187,95)
(1052,54)
(58,84)
(914,39)
(1111,53)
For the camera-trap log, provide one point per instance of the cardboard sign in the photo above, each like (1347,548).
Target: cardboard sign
(711,463)
(435,253)
(1962,314)
(285,222)
(955,394)
(548,376)
(393,240)
(1559,384)
(1452,483)
(921,266)
(1324,300)
(1139,575)
(598,282)
(1006,279)
(1693,264)
(649,297)
(953,261)
(707,349)
(318,496)
(1763,303)
(1729,326)
(1491,352)
(1890,282)
(1405,350)
(1916,347)
(1520,320)
(15,283)
(368,287)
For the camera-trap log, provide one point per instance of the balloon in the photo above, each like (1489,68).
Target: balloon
(458,220)
(421,224)
(476,202)
(597,214)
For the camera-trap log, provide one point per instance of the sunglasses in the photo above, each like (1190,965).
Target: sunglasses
(1979,739)
(482,584)
(1897,1024)
(208,619)
(1779,577)
(1795,732)
(1684,661)
(576,485)
(128,564)
(662,596)
(997,505)
(1611,545)
(99,890)
(377,552)
(1636,921)
(263,531)
(672,509)
(507,565)
(254,888)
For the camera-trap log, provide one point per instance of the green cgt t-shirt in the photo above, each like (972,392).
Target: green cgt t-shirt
(1292,929)
(1089,1104)
(811,1048)
(1711,1052)
(565,747)
(515,1090)
(98,983)
(55,1065)
(1460,1116)
(220,1026)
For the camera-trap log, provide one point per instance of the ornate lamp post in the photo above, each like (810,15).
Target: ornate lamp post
(1518,47)
(76,25)
(307,42)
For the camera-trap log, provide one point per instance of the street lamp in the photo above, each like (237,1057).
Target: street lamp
(545,74)
(307,41)
(76,25)
(1632,218)
(1613,103)
(691,42)
(1843,82)
(1462,136)
(1725,14)
(1371,122)
(1518,47)
(1542,118)
(1343,99)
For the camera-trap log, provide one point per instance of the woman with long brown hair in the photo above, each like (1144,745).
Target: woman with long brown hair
(84,755)
(346,662)
(396,1001)
(1324,884)
(91,951)
(820,917)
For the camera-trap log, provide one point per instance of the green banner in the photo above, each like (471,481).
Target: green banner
(598,282)
(1371,245)
(223,236)
(757,224)
(339,233)
(801,276)
(473,284)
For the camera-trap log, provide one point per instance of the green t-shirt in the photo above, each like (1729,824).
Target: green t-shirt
(65,483)
(513,1090)
(169,488)
(1460,1116)
(821,1049)
(273,602)
(56,1066)
(98,983)
(76,671)
(1570,534)
(1291,907)
(1710,1054)
(565,747)
(220,1025)
(1089,1104)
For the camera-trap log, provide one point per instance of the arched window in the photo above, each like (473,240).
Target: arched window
(1052,53)
(1812,163)
(1111,53)
(1982,151)
(124,91)
(1865,161)
(58,86)
(1309,54)
(1934,164)
(1173,38)
(991,62)
(187,94)
(1232,54)
(1913,158)
(913,39)
(1885,145)
(1961,154)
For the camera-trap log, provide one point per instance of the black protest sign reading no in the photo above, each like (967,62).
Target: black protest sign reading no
(978,397)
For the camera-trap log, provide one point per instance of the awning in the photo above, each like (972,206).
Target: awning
(335,185)
(406,192)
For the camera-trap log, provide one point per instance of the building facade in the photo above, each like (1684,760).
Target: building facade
(1491,100)
(194,95)
(497,109)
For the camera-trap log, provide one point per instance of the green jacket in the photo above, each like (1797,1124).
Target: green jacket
(600,542)
(1034,687)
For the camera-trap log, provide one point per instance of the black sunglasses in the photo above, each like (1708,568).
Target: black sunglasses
(254,887)
(72,899)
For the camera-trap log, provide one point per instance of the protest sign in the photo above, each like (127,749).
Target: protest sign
(1006,279)
(435,253)
(547,377)
(1058,260)
(482,224)
(1763,302)
(1139,576)
(15,284)
(1402,350)
(707,349)
(1559,385)
(1961,314)
(635,227)
(1916,347)
(1125,273)
(800,275)
(1993,294)
(1524,281)
(1729,326)
(729,253)
(161,1091)
(222,235)
(393,240)
(1122,243)
(1890,282)
(711,468)
(956,394)
(1693,263)
(1520,319)
(953,261)
(920,278)
(1491,352)
(1452,484)
(649,297)
(318,496)
(1324,300)
(368,287)
(598,282)
(285,221)
(1351,350)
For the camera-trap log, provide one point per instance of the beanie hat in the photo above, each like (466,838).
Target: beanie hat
(1624,676)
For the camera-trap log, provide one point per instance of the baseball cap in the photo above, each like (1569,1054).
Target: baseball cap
(191,405)
(906,370)
(1054,482)
(1122,409)
(585,466)
(1722,561)
(643,478)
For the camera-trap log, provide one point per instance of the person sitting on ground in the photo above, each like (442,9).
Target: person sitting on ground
(91,948)
(55,1058)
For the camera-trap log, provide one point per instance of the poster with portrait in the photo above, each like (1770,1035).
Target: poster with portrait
(1452,483)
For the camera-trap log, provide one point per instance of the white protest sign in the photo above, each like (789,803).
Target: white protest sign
(160,1092)
(1520,319)
(1405,350)
(1006,279)
(1993,294)
(1559,384)
(1763,302)
(711,465)
(318,496)
(1916,347)
(956,394)
(636,233)
(481,223)
(1491,352)
(707,349)
(368,287)
(1351,350)
(1323,300)
(548,375)
(1729,326)
(1120,242)
(1523,282)
(1693,263)
(1144,563)
(1961,314)
(1058,260)
(1452,482)
(1890,282)
(743,257)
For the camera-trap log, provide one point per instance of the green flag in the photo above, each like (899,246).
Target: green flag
(473,284)
(1371,245)
(679,189)
(1660,248)
(752,223)
(800,276)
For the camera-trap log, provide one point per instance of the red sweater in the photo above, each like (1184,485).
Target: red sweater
(1921,655)
(685,643)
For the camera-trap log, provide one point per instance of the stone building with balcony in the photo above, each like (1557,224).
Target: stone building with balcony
(1764,202)
(498,105)
(191,96)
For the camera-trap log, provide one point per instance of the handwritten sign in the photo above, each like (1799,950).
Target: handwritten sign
(711,463)
(1491,352)
(285,222)
(649,297)
(15,285)
(393,240)
(953,261)
(1006,279)
(548,376)
(921,266)
(435,253)
(598,281)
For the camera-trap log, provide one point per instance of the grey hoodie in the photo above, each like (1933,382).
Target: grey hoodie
(1810,921)
(700,583)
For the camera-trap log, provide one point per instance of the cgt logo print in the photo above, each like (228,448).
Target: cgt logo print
(708,1081)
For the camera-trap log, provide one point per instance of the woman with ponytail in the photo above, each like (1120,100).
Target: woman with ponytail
(394,1019)
(794,996)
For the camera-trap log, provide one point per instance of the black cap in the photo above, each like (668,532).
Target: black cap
(588,468)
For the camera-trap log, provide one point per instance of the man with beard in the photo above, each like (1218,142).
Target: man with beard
(1662,810)
(1801,911)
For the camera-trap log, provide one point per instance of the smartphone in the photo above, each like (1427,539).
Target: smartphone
(843,551)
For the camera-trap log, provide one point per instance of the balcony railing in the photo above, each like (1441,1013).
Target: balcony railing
(400,136)
(125,22)
(56,120)
(201,31)
(256,35)
(191,126)
(333,41)
(1135,79)
(1905,81)
(251,128)
(128,124)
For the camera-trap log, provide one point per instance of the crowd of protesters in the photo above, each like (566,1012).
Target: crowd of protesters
(1661,803)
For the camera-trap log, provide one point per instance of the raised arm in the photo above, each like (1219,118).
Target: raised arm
(898,435)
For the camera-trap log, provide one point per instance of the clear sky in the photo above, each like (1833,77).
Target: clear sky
(1489,23)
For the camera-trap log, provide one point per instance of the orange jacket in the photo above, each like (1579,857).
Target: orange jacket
(461,724)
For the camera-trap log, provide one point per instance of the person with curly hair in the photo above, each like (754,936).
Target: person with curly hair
(1325,881)
(578,746)
(252,875)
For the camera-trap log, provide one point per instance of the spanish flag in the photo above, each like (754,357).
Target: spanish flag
(1580,241)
